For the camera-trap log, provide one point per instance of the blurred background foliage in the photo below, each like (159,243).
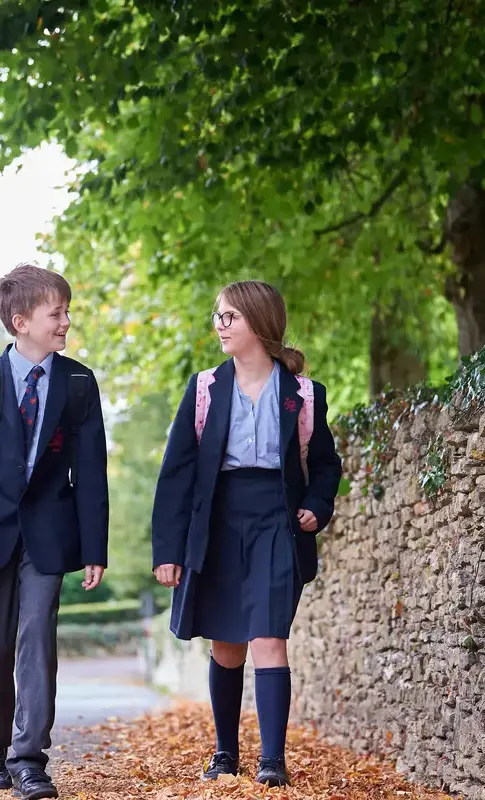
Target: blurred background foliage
(335,151)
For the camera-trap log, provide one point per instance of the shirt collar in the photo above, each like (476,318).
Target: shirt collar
(23,366)
(273,381)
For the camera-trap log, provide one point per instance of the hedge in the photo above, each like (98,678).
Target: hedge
(116,638)
(73,591)
(99,613)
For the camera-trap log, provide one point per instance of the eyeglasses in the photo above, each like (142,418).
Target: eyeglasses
(226,318)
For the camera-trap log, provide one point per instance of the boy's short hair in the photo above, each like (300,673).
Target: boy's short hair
(25,288)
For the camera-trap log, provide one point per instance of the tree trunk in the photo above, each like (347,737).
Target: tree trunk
(465,228)
(393,359)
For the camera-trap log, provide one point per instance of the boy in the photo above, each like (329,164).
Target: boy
(53,510)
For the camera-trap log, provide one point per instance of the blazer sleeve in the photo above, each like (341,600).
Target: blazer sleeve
(92,482)
(172,510)
(324,465)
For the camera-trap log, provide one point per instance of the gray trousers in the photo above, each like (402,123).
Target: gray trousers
(29,602)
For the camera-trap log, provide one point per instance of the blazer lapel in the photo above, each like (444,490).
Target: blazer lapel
(11,411)
(217,424)
(290,405)
(56,400)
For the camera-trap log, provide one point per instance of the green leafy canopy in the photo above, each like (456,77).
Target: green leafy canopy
(315,147)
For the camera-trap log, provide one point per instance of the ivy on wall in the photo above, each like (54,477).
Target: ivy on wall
(434,473)
(375,425)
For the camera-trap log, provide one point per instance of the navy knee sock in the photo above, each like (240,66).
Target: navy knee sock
(273,695)
(226,688)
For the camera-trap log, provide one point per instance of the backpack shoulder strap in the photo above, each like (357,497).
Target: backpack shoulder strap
(77,409)
(305,419)
(77,397)
(203,400)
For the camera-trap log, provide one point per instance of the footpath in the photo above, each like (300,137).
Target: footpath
(115,739)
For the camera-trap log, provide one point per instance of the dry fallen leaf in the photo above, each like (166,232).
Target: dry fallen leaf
(229,779)
(161,757)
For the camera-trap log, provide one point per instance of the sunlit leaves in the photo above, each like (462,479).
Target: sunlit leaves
(223,139)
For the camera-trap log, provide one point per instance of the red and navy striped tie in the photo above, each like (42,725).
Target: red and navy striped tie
(29,406)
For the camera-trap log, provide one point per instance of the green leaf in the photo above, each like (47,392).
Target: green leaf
(344,487)
(476,114)
(347,71)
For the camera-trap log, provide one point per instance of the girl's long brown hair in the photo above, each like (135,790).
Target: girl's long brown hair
(263,308)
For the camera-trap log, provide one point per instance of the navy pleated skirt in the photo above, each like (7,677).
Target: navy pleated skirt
(249,585)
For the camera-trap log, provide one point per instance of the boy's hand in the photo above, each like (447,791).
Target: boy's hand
(93,575)
(168,574)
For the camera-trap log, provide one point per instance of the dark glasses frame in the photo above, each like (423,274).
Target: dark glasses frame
(226,318)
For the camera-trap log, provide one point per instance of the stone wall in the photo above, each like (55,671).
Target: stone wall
(388,647)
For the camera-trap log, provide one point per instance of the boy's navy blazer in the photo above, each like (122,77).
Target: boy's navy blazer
(185,489)
(62,528)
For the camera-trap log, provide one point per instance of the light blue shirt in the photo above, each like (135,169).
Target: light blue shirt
(21,367)
(254,432)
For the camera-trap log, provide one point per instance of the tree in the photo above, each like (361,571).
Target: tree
(146,329)
(466,288)
(325,136)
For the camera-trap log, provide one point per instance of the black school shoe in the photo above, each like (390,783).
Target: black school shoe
(221,763)
(33,784)
(273,772)
(5,779)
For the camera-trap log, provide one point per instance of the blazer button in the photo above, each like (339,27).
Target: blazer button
(21,467)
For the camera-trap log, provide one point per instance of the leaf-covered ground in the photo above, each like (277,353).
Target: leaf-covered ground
(160,758)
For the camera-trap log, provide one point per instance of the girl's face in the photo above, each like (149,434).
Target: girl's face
(235,335)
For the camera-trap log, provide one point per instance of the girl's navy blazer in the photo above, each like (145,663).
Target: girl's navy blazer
(185,489)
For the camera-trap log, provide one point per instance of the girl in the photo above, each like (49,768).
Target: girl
(235,519)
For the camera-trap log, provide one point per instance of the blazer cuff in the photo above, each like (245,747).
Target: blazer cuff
(97,557)
(323,510)
(168,555)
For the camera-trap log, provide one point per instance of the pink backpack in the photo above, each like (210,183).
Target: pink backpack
(305,417)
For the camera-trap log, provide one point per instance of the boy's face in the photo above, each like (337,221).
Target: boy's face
(47,326)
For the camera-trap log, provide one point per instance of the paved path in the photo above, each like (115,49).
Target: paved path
(91,691)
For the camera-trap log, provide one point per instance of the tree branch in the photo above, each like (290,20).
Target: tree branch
(448,11)
(353,184)
(376,206)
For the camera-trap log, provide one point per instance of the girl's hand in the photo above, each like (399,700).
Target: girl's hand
(308,520)
(168,574)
